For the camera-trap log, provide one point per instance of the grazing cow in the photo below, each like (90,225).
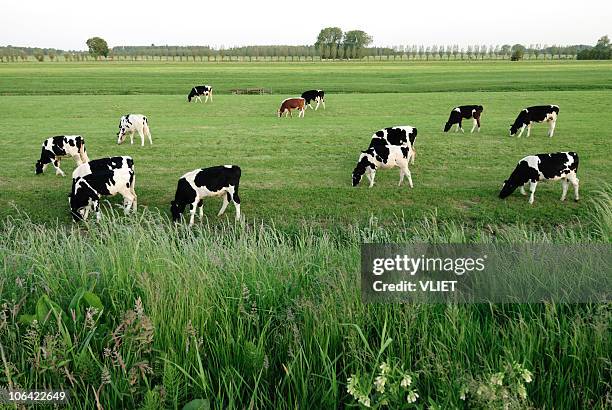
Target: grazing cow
(401,135)
(132,123)
(538,113)
(201,90)
(289,104)
(102,177)
(541,167)
(381,154)
(314,95)
(194,186)
(55,148)
(457,115)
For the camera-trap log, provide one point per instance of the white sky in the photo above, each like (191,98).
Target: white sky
(66,24)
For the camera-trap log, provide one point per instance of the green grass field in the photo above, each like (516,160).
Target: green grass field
(297,169)
(267,314)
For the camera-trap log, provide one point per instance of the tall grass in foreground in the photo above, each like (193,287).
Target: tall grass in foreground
(140,313)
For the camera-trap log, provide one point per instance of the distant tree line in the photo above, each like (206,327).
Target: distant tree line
(331,44)
(601,51)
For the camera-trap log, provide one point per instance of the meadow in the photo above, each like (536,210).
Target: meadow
(137,313)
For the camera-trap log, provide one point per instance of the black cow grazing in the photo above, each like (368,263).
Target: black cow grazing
(540,167)
(457,115)
(381,154)
(102,177)
(314,95)
(56,148)
(201,90)
(538,113)
(194,186)
(400,135)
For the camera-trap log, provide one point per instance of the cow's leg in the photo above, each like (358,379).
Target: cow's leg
(309,105)
(201,208)
(576,183)
(529,129)
(551,129)
(522,129)
(478,123)
(408,174)
(236,200)
(457,129)
(198,98)
(226,199)
(192,211)
(56,165)
(142,137)
(474,126)
(412,155)
(523,190)
(302,112)
(532,188)
(372,176)
(461,126)
(564,184)
(132,137)
(401,176)
(96,207)
(318,103)
(206,99)
(323,102)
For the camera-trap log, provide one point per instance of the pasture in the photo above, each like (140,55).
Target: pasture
(295,169)
(267,314)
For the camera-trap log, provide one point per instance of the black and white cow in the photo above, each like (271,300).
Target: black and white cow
(538,113)
(541,167)
(314,95)
(381,154)
(400,135)
(56,148)
(201,90)
(102,177)
(194,186)
(457,115)
(131,123)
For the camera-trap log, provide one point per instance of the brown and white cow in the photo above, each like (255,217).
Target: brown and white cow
(289,104)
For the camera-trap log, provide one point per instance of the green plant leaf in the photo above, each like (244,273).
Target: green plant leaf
(27,319)
(93,300)
(197,404)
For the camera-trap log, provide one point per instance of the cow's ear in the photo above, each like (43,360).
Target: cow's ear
(173,202)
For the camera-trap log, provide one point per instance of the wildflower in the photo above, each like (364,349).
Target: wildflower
(384,368)
(406,381)
(106,376)
(138,308)
(463,393)
(379,383)
(351,386)
(522,392)
(412,396)
(365,400)
(497,379)
(527,376)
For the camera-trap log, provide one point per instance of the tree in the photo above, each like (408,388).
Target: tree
(601,51)
(518,51)
(329,38)
(354,42)
(97,47)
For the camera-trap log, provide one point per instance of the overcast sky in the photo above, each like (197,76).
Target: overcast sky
(66,24)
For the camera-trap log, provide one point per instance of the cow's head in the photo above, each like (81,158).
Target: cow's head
(176,209)
(121,135)
(79,199)
(447,126)
(360,169)
(514,128)
(39,167)
(279,113)
(508,188)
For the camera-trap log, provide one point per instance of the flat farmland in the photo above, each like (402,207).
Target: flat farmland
(299,169)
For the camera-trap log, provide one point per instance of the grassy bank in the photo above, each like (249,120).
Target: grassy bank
(263,317)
